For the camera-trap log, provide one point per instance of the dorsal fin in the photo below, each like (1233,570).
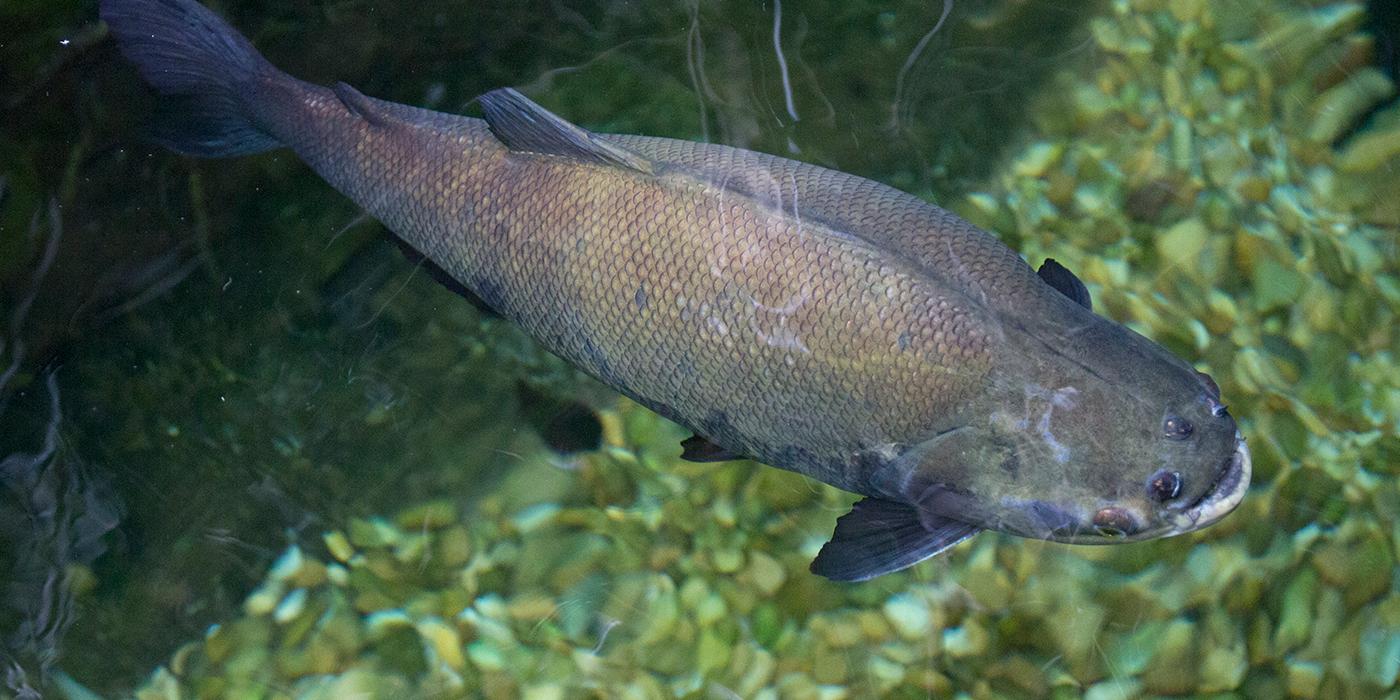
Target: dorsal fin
(524,126)
(1064,281)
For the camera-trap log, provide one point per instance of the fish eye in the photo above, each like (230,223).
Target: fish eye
(1164,485)
(1177,428)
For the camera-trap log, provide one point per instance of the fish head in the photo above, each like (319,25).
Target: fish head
(1190,473)
(1120,442)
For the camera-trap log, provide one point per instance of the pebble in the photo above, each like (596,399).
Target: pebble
(970,639)
(290,607)
(263,599)
(385,622)
(485,656)
(339,545)
(1296,614)
(286,565)
(454,546)
(766,573)
(1380,653)
(1370,150)
(1114,689)
(534,517)
(1304,678)
(910,616)
(444,641)
(373,533)
(427,516)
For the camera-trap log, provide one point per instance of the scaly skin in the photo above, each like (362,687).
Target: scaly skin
(715,308)
(810,319)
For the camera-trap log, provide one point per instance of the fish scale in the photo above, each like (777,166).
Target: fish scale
(941,243)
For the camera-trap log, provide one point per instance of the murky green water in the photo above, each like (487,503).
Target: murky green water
(250,451)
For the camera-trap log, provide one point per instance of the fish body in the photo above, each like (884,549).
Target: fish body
(799,316)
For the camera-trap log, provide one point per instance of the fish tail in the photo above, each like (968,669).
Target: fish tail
(206,72)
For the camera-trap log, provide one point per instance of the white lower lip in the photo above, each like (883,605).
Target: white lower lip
(1219,503)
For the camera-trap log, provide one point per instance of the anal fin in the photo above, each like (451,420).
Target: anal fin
(443,277)
(699,449)
(881,536)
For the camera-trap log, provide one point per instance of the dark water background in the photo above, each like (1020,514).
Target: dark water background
(208,362)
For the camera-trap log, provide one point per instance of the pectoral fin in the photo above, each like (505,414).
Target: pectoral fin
(1064,281)
(698,449)
(880,536)
(524,126)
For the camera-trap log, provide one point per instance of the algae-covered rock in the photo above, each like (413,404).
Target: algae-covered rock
(1173,668)
(1296,612)
(1304,678)
(909,615)
(1362,568)
(1223,660)
(1380,647)
(1114,689)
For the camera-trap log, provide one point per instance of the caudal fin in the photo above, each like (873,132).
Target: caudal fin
(206,72)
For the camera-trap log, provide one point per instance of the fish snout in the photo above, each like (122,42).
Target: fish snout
(1224,495)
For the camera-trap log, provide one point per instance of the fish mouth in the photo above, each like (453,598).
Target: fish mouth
(1223,496)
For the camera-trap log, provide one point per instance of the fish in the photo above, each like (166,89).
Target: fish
(786,313)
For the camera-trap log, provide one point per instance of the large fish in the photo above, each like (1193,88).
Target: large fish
(799,316)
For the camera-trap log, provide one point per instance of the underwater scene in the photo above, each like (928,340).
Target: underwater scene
(252,445)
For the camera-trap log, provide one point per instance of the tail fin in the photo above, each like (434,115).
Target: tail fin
(206,71)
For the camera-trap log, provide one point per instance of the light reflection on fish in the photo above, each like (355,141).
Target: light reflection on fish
(802,317)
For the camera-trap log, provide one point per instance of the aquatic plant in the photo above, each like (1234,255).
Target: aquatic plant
(54,513)
(53,520)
